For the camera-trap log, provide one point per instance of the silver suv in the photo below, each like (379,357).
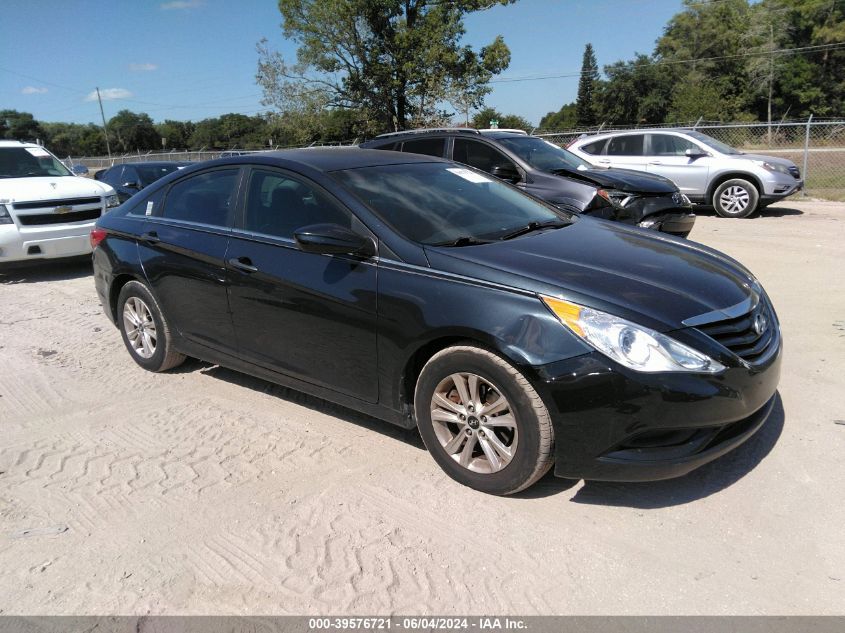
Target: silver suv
(706,170)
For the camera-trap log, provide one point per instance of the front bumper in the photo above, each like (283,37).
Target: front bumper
(19,244)
(676,223)
(781,190)
(665,213)
(614,424)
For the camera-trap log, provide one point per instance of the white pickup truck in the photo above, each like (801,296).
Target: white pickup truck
(45,211)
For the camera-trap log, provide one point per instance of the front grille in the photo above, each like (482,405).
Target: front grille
(741,336)
(795,172)
(52,204)
(59,218)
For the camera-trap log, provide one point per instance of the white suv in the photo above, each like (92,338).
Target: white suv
(706,170)
(45,211)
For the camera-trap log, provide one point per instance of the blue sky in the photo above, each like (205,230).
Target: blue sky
(192,59)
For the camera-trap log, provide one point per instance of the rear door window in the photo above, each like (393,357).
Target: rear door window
(428,146)
(205,198)
(628,145)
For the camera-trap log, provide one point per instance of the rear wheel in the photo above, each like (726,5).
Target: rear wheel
(144,328)
(735,198)
(482,421)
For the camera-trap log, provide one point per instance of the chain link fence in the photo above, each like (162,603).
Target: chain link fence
(817,147)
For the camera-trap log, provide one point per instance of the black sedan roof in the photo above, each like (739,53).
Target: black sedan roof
(334,158)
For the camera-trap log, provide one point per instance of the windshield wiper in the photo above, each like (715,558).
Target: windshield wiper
(464,240)
(535,226)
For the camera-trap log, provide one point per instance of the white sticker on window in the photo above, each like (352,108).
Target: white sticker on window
(149,210)
(469,175)
(37,152)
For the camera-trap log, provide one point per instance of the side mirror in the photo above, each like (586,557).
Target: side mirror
(695,153)
(333,239)
(506,172)
(130,185)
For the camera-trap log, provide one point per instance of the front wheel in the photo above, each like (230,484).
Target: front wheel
(735,198)
(145,330)
(482,421)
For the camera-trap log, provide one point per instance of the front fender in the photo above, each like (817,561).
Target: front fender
(418,306)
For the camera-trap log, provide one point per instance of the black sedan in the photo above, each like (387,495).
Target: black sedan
(129,178)
(514,335)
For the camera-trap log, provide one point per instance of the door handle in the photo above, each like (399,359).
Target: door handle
(244,264)
(150,237)
(655,162)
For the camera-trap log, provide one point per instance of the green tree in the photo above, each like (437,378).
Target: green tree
(767,32)
(74,139)
(395,61)
(230,131)
(19,126)
(635,92)
(327,126)
(133,132)
(585,112)
(813,82)
(206,135)
(175,133)
(706,42)
(481,120)
(563,119)
(695,97)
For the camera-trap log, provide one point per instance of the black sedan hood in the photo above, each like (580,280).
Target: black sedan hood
(656,280)
(627,180)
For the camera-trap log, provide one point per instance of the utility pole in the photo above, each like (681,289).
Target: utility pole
(105,128)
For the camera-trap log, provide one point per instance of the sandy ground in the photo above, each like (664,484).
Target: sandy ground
(206,491)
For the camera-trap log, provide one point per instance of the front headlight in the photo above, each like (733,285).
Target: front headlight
(782,169)
(112,201)
(617,199)
(5,218)
(629,344)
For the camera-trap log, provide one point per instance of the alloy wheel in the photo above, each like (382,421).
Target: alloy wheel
(474,422)
(735,199)
(140,327)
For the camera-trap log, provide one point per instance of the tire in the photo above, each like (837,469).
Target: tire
(500,452)
(150,342)
(736,198)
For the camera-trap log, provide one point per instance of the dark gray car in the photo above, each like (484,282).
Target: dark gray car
(129,178)
(555,175)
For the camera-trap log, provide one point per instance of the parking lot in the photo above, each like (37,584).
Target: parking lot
(206,491)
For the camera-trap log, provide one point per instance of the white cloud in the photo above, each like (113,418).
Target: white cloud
(180,4)
(32,90)
(107,94)
(142,67)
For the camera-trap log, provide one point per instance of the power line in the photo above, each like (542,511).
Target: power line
(42,81)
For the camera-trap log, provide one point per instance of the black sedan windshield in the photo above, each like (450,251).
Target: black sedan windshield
(543,155)
(445,203)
